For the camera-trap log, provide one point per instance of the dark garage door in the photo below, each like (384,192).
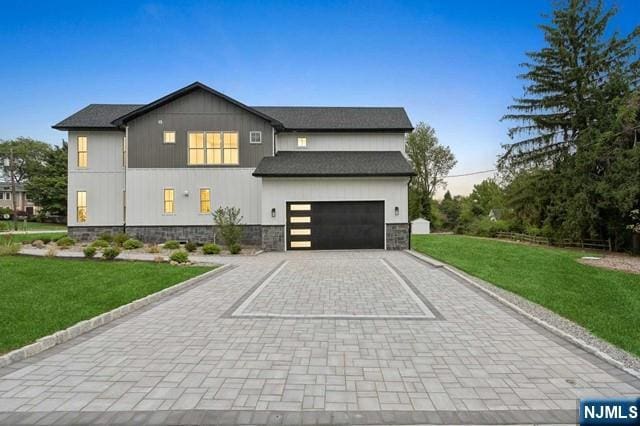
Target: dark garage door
(335,225)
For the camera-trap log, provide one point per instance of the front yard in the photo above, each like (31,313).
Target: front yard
(43,295)
(603,301)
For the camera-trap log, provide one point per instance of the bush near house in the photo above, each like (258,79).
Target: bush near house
(89,252)
(235,248)
(211,248)
(190,247)
(120,238)
(65,242)
(179,256)
(228,221)
(100,243)
(132,244)
(171,245)
(110,253)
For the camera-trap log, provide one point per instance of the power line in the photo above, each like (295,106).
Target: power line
(470,174)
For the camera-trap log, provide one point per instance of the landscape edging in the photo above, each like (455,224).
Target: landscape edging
(550,327)
(48,342)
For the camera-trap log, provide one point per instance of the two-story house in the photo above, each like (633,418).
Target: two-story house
(303,177)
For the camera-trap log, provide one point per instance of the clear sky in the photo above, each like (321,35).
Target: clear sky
(452,64)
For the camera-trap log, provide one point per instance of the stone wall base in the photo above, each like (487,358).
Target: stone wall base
(89,233)
(273,238)
(398,235)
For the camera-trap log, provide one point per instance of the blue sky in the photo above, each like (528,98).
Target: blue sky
(450,64)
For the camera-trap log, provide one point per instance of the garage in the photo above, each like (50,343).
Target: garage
(335,225)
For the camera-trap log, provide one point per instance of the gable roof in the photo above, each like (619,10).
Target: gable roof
(340,118)
(291,118)
(334,163)
(96,116)
(184,91)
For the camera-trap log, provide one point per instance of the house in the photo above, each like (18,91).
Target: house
(303,177)
(24,206)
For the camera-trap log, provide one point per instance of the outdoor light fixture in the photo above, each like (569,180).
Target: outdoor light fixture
(273,212)
(159,121)
(186,193)
(397,211)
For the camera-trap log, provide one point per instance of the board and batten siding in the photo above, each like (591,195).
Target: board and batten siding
(103,179)
(196,111)
(234,187)
(276,192)
(341,141)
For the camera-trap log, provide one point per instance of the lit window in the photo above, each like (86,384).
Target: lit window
(220,148)
(205,200)
(300,244)
(170,137)
(196,148)
(81,206)
(255,137)
(301,232)
(82,151)
(169,206)
(300,219)
(302,142)
(300,207)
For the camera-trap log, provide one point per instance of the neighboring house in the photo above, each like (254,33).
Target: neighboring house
(23,204)
(495,214)
(303,177)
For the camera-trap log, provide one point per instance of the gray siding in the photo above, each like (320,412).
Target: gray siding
(197,111)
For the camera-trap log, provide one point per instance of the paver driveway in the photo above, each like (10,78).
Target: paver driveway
(326,337)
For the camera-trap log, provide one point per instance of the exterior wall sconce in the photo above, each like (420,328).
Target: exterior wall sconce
(397,211)
(273,212)
(186,193)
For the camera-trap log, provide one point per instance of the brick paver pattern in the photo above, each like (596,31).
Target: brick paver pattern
(185,354)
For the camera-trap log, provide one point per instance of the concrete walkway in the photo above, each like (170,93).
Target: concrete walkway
(318,337)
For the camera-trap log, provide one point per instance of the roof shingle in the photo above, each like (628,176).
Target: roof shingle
(334,163)
(96,116)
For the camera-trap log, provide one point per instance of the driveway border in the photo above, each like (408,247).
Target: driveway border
(82,327)
(586,351)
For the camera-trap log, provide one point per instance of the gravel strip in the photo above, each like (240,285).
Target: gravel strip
(629,361)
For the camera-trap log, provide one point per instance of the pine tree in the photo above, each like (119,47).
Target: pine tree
(568,83)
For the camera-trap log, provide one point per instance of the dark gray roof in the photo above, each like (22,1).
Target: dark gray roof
(334,163)
(96,116)
(339,118)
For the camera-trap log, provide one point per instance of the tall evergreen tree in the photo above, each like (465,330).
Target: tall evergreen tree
(568,82)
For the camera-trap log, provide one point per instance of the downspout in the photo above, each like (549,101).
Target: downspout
(125,163)
(408,218)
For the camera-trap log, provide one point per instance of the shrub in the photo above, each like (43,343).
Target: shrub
(171,245)
(153,248)
(7,246)
(484,227)
(106,236)
(190,247)
(132,244)
(65,242)
(211,248)
(235,248)
(100,243)
(179,256)
(89,252)
(120,238)
(46,240)
(110,253)
(228,220)
(55,239)
(38,244)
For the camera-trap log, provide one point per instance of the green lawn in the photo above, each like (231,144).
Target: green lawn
(35,226)
(20,238)
(41,296)
(605,302)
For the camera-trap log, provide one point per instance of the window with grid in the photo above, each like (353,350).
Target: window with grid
(169,204)
(205,200)
(213,148)
(81,206)
(82,151)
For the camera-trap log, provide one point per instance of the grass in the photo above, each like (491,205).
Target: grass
(35,226)
(603,301)
(41,295)
(27,238)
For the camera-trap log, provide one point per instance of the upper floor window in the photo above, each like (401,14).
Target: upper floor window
(302,142)
(213,148)
(82,151)
(255,136)
(169,137)
(169,205)
(205,200)
(81,206)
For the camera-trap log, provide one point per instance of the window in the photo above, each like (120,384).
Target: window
(300,244)
(302,142)
(169,207)
(299,207)
(7,195)
(81,206)
(205,200)
(255,137)
(82,151)
(300,219)
(170,137)
(213,148)
(301,231)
